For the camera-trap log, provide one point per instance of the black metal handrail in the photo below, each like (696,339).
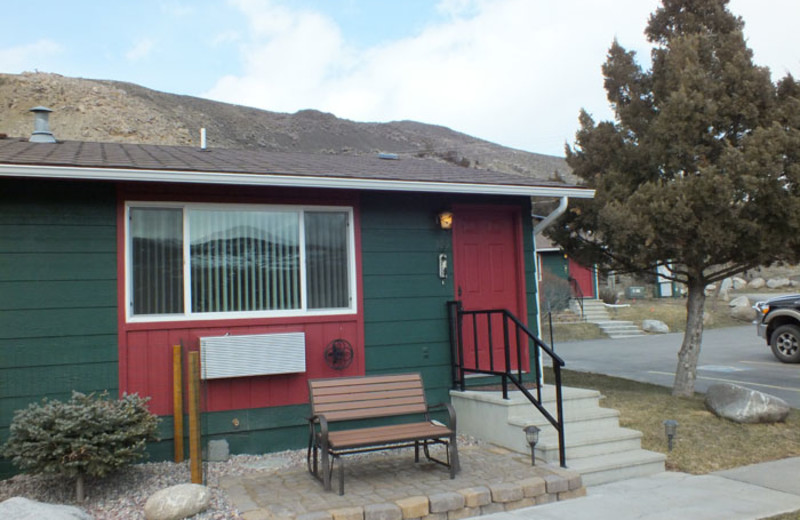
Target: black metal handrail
(522,334)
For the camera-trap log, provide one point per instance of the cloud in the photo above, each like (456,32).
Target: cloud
(514,72)
(288,57)
(141,49)
(177,9)
(27,57)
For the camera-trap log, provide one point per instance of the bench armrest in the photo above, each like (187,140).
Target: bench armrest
(451,423)
(323,425)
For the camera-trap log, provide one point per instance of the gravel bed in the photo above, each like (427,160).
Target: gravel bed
(122,496)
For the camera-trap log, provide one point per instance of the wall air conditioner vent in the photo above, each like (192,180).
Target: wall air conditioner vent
(255,355)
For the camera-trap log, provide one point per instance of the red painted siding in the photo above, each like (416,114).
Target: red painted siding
(148,362)
(145,349)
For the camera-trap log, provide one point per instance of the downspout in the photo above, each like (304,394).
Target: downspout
(537,229)
(549,219)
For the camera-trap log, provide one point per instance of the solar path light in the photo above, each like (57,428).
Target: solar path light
(532,436)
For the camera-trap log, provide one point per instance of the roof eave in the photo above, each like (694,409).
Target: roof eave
(287,180)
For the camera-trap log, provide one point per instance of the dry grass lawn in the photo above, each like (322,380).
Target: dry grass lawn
(704,442)
(567,327)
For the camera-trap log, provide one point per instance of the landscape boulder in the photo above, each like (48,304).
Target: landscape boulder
(756,283)
(778,283)
(177,502)
(20,508)
(742,309)
(655,326)
(724,288)
(743,405)
(739,283)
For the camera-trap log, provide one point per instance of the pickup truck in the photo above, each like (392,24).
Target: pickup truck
(778,323)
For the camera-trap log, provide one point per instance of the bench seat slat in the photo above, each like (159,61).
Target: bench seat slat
(346,415)
(386,434)
(365,388)
(356,395)
(361,380)
(366,404)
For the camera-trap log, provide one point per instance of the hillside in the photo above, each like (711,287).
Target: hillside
(113,111)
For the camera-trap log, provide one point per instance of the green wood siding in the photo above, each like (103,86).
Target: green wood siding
(556,264)
(58,261)
(405,313)
(58,303)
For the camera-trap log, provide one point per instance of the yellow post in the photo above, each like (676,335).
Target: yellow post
(177,400)
(195,460)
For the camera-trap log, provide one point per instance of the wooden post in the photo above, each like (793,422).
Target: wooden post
(195,457)
(177,400)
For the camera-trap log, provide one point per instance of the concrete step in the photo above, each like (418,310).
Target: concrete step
(620,329)
(594,441)
(575,421)
(614,467)
(573,400)
(616,324)
(585,437)
(593,317)
(590,444)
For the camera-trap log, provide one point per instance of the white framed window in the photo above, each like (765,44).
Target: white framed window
(212,261)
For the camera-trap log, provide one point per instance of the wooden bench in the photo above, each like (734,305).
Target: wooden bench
(356,399)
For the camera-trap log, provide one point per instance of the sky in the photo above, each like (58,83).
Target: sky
(514,72)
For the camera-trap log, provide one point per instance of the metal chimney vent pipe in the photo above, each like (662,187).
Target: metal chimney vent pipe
(41,126)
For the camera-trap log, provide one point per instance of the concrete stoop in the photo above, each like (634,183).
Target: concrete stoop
(595,311)
(596,446)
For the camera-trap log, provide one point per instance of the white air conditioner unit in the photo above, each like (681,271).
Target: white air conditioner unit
(253,355)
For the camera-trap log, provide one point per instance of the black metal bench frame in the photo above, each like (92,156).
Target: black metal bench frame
(370,397)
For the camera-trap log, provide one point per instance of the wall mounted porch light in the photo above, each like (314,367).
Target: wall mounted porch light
(532,437)
(445,219)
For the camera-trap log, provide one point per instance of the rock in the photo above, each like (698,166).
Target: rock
(740,301)
(742,405)
(743,313)
(20,508)
(742,309)
(777,283)
(739,283)
(218,450)
(656,326)
(724,288)
(710,289)
(177,502)
(756,283)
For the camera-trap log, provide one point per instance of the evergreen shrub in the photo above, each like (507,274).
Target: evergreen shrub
(89,435)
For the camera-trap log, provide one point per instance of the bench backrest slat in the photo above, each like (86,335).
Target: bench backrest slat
(366,397)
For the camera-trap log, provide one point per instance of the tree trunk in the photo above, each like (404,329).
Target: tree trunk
(686,372)
(80,495)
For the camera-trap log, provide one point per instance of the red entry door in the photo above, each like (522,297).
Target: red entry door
(583,275)
(488,274)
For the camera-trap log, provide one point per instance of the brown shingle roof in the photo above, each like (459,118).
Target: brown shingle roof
(90,156)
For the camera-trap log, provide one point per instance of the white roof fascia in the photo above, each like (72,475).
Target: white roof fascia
(288,180)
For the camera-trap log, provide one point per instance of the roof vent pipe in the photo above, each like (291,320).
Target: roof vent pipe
(41,126)
(203,139)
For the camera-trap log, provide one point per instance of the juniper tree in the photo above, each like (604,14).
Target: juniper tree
(698,171)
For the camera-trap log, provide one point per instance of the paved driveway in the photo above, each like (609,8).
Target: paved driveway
(734,355)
